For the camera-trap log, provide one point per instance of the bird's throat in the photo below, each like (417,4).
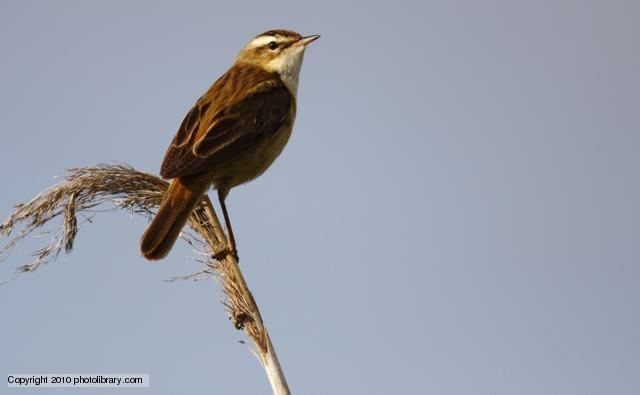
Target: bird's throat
(288,68)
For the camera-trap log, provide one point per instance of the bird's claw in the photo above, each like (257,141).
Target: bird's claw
(223,253)
(240,320)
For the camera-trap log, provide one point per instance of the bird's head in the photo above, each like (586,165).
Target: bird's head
(277,51)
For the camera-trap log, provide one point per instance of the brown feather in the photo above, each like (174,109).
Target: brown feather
(232,134)
(181,198)
(245,106)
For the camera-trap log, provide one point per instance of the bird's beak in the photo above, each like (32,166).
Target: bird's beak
(304,41)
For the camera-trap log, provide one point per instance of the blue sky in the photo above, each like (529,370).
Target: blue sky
(456,212)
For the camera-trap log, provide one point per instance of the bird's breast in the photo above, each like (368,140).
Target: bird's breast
(252,163)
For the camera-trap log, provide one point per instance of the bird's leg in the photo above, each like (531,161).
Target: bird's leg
(232,240)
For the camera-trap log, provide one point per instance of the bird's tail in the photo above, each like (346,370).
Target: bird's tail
(182,196)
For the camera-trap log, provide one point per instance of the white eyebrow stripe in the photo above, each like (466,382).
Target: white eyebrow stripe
(260,41)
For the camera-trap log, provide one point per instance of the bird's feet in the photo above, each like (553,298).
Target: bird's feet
(223,253)
(239,320)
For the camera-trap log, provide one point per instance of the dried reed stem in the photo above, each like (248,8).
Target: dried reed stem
(138,192)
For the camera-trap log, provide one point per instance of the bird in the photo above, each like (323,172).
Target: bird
(231,135)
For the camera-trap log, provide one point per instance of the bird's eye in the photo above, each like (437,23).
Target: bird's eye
(273,45)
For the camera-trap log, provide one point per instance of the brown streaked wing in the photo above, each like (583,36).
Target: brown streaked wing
(190,125)
(246,124)
(231,124)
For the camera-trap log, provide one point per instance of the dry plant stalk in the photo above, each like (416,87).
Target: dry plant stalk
(138,192)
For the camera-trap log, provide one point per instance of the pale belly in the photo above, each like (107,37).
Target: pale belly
(252,163)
